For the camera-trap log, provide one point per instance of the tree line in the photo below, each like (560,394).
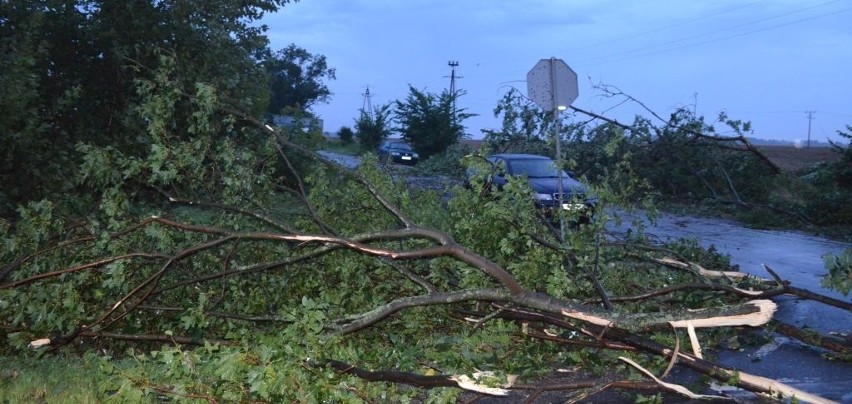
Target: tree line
(74,72)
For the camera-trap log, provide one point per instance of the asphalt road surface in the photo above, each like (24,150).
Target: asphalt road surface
(795,257)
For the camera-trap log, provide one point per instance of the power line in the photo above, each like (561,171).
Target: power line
(638,34)
(712,40)
(589,61)
(835,114)
(764,112)
(732,27)
(663,28)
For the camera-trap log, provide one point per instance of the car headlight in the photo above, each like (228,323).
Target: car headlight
(544,197)
(415,155)
(574,207)
(394,153)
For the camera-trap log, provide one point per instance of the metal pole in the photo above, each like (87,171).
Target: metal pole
(810,118)
(557,129)
(556,138)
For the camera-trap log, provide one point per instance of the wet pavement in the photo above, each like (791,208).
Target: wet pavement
(345,160)
(795,257)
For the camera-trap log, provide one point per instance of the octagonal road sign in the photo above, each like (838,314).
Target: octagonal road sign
(551,84)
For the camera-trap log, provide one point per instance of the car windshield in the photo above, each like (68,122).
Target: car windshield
(400,146)
(537,168)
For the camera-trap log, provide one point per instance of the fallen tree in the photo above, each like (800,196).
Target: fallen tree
(295,278)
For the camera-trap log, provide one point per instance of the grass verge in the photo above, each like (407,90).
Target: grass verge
(49,380)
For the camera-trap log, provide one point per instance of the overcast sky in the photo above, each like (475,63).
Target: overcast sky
(767,61)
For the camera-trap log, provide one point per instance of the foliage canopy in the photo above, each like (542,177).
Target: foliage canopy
(430,123)
(297,79)
(72,70)
(371,130)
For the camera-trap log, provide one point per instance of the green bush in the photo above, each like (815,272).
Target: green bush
(525,146)
(372,130)
(828,199)
(346,135)
(447,162)
(430,123)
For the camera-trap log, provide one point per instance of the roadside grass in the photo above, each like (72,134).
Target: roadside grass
(49,380)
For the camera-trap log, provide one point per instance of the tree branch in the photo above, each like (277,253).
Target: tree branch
(391,376)
(163,338)
(747,146)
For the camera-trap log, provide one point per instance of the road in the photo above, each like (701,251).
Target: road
(796,257)
(345,160)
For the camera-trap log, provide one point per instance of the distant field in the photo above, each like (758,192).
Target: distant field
(788,158)
(795,159)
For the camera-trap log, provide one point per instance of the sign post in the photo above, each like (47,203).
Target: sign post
(552,85)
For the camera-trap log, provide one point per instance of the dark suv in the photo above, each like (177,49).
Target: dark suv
(542,175)
(397,151)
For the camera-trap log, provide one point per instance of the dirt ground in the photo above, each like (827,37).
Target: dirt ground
(797,159)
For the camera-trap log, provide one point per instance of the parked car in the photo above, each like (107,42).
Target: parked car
(398,152)
(543,177)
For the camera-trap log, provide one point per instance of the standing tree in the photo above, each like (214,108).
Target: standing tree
(373,129)
(69,70)
(346,135)
(297,79)
(430,123)
(828,199)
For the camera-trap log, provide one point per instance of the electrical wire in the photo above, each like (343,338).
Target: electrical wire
(591,61)
(637,34)
(692,45)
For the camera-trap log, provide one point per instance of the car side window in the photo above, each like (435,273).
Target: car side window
(498,166)
(480,173)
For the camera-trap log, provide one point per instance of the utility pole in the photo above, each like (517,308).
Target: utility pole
(810,118)
(367,105)
(694,104)
(453,65)
(557,138)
